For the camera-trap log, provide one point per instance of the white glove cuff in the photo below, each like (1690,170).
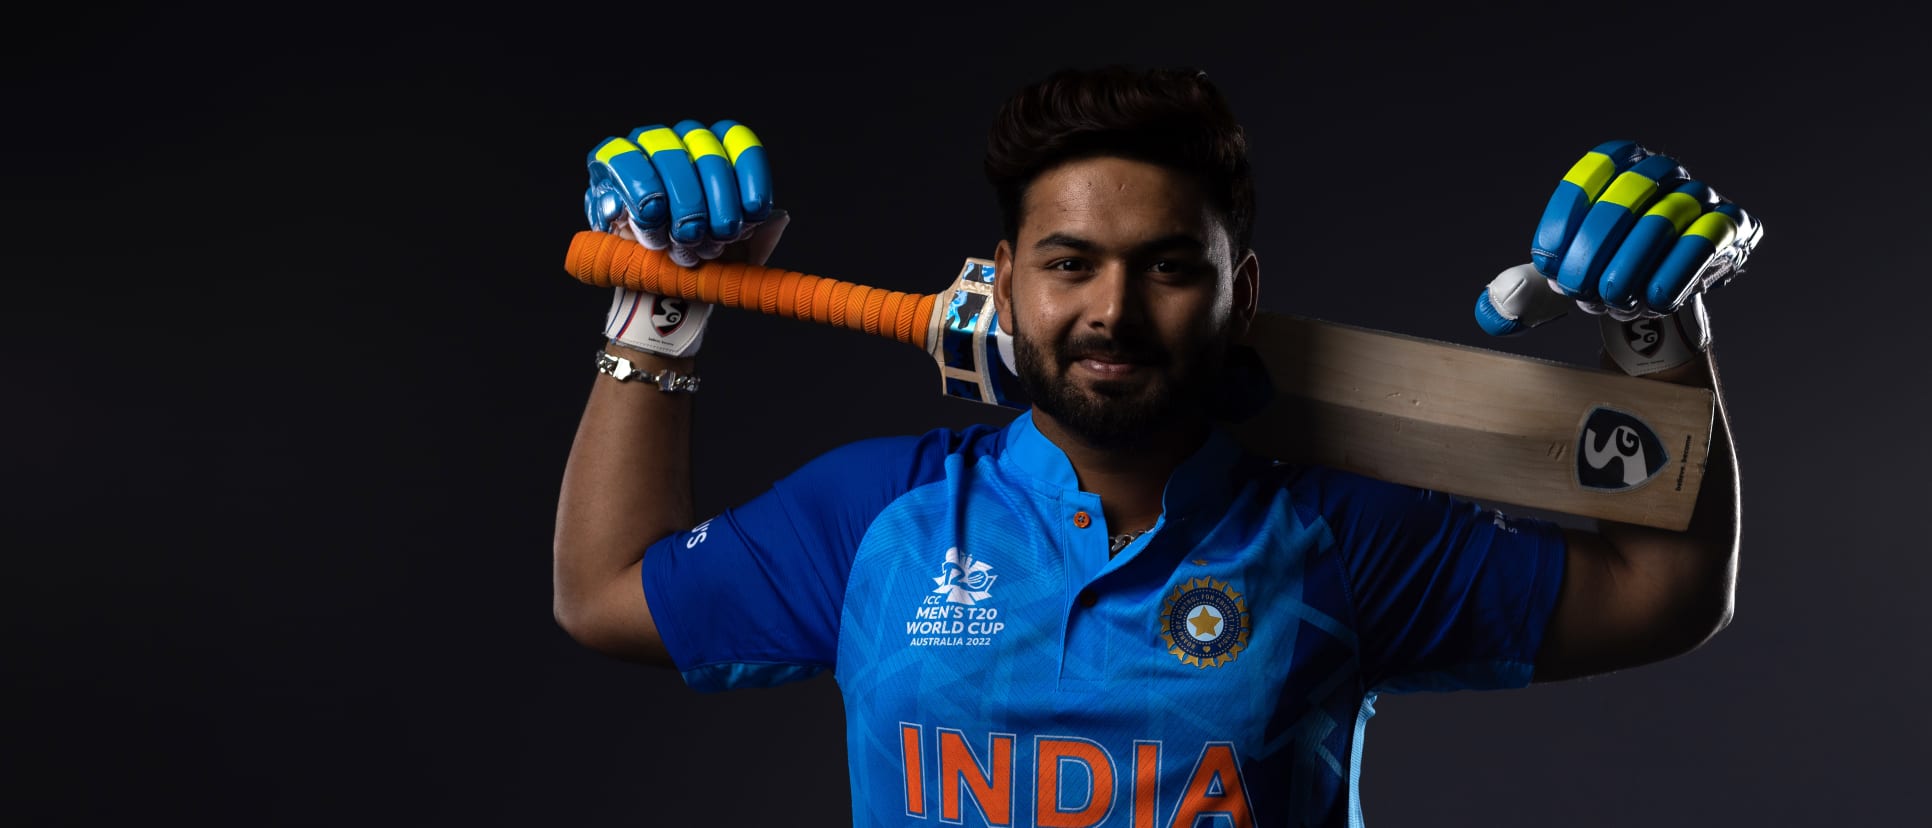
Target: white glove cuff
(657,324)
(675,327)
(1650,344)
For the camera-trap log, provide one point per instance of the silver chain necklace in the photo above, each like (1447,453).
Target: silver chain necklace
(1121,541)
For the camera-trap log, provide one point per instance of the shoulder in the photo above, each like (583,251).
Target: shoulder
(899,461)
(1344,500)
(1330,485)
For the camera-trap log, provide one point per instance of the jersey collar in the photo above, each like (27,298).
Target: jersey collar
(1200,481)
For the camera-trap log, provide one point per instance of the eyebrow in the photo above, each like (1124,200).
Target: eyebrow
(1169,242)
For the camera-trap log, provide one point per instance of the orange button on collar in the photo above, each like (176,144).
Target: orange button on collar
(1081,520)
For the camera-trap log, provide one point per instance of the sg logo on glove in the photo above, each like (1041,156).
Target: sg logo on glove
(668,316)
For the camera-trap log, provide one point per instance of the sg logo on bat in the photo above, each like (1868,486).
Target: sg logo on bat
(1617,452)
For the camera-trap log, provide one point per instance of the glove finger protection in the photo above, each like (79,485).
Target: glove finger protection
(684,229)
(1631,234)
(1578,190)
(1515,302)
(625,189)
(683,190)
(747,156)
(1631,237)
(1710,253)
(1607,223)
(1624,279)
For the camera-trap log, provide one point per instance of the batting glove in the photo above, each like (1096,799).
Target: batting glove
(1631,238)
(689,190)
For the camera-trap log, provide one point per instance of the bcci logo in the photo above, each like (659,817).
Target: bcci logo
(1205,623)
(964,580)
(1617,451)
(667,315)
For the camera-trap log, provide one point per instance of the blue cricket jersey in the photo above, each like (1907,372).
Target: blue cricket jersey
(998,668)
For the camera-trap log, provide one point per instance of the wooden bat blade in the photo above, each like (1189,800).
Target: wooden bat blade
(1482,424)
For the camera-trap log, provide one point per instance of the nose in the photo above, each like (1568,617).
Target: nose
(1115,299)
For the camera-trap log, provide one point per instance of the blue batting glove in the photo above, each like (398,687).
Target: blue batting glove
(687,189)
(1631,237)
(1630,233)
(691,189)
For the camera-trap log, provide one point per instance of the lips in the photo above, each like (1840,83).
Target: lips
(1111,364)
(1109,368)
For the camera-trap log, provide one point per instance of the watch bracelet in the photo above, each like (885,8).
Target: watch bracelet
(623,370)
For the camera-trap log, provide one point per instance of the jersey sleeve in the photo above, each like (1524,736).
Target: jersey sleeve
(1448,595)
(752,597)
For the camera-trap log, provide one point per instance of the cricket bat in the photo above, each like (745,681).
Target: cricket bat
(1478,423)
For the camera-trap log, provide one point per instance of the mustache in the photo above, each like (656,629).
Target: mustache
(1110,349)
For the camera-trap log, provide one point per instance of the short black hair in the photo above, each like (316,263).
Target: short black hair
(1168,116)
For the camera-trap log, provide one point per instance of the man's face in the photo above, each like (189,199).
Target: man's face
(1122,295)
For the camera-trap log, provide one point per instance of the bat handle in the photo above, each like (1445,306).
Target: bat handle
(608,260)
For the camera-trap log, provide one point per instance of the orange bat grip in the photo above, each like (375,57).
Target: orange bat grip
(608,260)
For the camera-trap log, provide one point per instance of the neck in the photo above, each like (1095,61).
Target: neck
(1129,477)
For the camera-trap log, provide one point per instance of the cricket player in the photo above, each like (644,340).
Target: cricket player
(1106,613)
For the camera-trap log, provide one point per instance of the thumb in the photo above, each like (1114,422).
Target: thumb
(1517,300)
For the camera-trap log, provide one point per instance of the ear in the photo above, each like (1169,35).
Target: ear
(1247,294)
(1003,286)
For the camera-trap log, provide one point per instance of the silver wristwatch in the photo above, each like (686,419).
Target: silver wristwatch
(623,370)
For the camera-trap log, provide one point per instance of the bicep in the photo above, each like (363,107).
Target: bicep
(1609,614)
(617,621)
(1445,594)
(754,596)
(678,605)
(683,603)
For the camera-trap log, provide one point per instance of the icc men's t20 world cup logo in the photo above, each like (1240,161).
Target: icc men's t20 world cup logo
(964,580)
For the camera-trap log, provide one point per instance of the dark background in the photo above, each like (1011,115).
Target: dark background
(292,369)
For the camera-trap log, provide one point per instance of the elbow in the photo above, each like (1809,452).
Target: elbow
(576,614)
(1707,622)
(1721,617)
(1726,611)
(580,623)
(573,605)
(608,625)
(1705,601)
(570,617)
(1702,618)
(1720,597)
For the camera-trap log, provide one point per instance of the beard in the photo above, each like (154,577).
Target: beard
(1110,413)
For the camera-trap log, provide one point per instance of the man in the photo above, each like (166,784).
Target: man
(1104,613)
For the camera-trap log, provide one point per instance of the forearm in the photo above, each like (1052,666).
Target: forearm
(1634,594)
(627,484)
(1696,569)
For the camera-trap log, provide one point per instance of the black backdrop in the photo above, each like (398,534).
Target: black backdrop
(292,370)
